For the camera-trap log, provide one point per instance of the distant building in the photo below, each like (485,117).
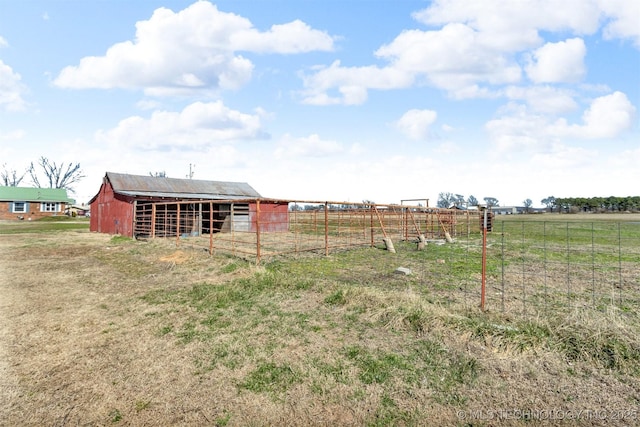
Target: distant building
(509,210)
(514,210)
(78,210)
(32,203)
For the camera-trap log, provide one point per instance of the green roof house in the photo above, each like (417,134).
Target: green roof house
(32,203)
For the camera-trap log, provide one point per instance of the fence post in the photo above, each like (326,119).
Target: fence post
(371,224)
(257,231)
(502,265)
(178,225)
(326,228)
(153,220)
(210,228)
(484,260)
(524,265)
(620,264)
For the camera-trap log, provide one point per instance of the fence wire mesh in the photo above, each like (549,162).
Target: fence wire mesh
(542,266)
(532,267)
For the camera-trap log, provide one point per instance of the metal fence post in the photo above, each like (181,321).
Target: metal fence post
(326,228)
(178,225)
(524,281)
(257,231)
(484,260)
(210,228)
(620,263)
(502,266)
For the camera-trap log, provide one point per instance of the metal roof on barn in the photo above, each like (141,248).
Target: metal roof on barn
(150,186)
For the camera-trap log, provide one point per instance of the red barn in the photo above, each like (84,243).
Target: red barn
(130,204)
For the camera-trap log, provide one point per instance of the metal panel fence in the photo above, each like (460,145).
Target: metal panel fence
(261,229)
(532,267)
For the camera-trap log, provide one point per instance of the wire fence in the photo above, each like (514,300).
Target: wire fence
(542,266)
(532,267)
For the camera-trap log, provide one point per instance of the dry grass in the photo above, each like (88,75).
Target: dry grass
(102,331)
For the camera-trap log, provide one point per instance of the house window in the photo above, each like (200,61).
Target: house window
(49,207)
(19,207)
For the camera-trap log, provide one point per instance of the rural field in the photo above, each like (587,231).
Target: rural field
(104,330)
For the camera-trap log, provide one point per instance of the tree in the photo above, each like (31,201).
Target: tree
(549,202)
(10,178)
(57,176)
(472,201)
(491,202)
(445,200)
(458,200)
(527,204)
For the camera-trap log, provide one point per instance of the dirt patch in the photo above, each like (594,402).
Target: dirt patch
(178,257)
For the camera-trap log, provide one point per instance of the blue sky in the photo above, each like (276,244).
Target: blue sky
(330,100)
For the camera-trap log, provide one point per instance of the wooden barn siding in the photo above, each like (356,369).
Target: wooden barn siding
(273,217)
(111,214)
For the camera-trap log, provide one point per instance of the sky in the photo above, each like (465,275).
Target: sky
(329,100)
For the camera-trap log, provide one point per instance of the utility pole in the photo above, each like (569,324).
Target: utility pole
(191,171)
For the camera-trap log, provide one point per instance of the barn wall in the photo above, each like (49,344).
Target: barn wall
(111,214)
(273,217)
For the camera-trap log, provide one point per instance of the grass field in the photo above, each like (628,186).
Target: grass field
(101,330)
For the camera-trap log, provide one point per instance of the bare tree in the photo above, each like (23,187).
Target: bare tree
(57,176)
(491,202)
(445,200)
(10,178)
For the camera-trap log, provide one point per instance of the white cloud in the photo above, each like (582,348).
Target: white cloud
(623,19)
(558,62)
(543,99)
(520,129)
(198,126)
(451,58)
(193,49)
(294,37)
(476,46)
(511,26)
(11,89)
(607,117)
(415,123)
(311,146)
(352,83)
(3,42)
